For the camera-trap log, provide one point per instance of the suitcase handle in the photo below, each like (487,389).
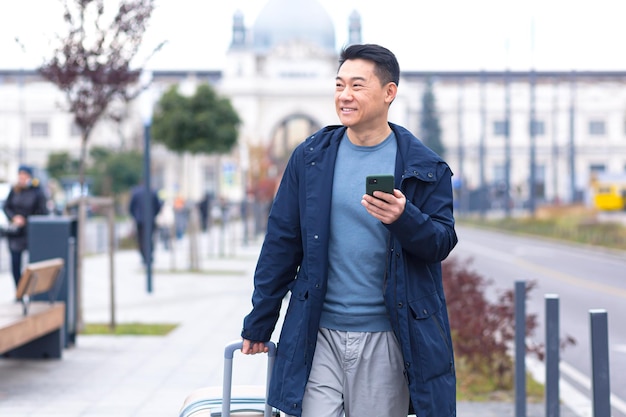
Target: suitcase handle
(229,351)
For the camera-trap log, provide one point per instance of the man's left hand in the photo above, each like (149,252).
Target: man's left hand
(384,206)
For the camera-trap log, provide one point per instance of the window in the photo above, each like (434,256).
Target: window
(499,173)
(500,128)
(39,129)
(539,128)
(597,128)
(596,168)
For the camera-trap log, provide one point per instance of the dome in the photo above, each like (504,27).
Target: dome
(283,21)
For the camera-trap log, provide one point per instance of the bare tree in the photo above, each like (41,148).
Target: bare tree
(92,66)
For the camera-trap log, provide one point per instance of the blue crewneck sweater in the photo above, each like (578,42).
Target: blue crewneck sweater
(357,246)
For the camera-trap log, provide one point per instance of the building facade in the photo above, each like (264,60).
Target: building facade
(513,139)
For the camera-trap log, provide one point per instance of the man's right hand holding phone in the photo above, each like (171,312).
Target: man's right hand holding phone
(384,206)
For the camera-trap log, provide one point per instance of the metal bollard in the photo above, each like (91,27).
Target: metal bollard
(520,349)
(552,356)
(600,363)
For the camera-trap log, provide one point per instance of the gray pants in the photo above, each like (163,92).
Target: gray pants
(359,374)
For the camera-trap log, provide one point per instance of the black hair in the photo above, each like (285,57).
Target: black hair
(386,69)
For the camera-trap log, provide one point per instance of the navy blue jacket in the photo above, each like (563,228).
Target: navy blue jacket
(26,201)
(294,257)
(137,201)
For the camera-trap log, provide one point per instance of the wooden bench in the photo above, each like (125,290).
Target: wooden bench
(33,327)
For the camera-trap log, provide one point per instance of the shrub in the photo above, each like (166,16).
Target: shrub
(482,331)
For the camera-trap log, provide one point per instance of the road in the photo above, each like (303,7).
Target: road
(583,278)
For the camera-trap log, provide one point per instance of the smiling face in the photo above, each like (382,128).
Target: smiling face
(361,101)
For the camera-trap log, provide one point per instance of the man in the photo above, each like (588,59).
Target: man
(25,199)
(137,211)
(367,325)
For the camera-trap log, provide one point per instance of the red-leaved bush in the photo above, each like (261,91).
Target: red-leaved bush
(483,331)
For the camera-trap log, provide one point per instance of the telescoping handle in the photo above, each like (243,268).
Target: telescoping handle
(229,351)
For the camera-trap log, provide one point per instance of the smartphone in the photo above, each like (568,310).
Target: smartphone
(383,182)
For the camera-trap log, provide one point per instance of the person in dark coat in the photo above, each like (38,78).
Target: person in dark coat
(366,332)
(204,206)
(137,212)
(25,199)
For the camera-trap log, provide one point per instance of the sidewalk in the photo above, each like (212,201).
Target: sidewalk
(143,376)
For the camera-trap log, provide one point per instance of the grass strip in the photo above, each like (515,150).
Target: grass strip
(129,329)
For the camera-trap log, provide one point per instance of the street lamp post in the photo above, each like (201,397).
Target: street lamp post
(146,116)
(572,142)
(481,145)
(245,167)
(532,148)
(463,202)
(507,143)
(21,153)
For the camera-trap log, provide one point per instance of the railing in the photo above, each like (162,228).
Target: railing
(598,320)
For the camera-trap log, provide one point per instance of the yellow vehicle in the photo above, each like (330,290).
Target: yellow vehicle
(609,192)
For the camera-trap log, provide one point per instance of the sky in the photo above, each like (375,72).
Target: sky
(445,35)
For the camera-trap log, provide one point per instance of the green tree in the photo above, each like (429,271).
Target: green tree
(114,172)
(430,129)
(61,164)
(203,123)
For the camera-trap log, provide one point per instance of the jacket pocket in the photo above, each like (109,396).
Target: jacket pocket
(293,333)
(429,338)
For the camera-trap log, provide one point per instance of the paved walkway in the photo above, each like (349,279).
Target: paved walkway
(143,376)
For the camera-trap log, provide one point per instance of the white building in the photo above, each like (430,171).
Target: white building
(279,76)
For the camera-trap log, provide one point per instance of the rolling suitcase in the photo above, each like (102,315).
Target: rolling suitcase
(249,401)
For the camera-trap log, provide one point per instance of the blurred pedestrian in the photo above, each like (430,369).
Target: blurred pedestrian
(165,223)
(181,214)
(25,199)
(204,206)
(137,211)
